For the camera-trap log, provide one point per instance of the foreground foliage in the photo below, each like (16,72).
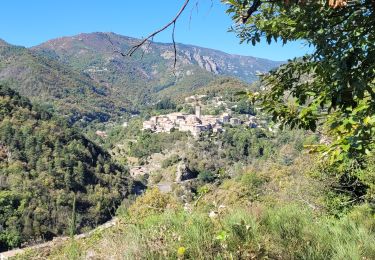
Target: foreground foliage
(165,230)
(332,89)
(279,205)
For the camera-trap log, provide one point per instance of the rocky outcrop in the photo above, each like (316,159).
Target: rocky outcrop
(184,173)
(97,47)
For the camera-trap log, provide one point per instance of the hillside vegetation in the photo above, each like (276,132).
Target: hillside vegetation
(283,168)
(150,72)
(46,80)
(267,210)
(48,168)
(85,78)
(248,194)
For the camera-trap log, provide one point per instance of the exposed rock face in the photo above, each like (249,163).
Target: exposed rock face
(87,77)
(183,173)
(96,47)
(165,187)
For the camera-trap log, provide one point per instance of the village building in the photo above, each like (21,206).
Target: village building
(226,118)
(195,98)
(102,134)
(193,123)
(235,121)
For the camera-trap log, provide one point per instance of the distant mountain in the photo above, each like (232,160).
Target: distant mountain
(86,77)
(44,79)
(151,70)
(88,51)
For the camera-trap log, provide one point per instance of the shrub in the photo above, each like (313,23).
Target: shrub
(170,161)
(152,202)
(159,231)
(206,176)
(156,177)
(252,180)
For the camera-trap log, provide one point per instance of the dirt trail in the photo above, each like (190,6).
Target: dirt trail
(57,240)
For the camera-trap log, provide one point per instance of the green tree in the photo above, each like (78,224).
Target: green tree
(332,89)
(165,103)
(43,161)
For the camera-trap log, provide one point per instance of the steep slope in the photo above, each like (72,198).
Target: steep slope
(47,169)
(46,80)
(85,51)
(216,87)
(87,78)
(151,69)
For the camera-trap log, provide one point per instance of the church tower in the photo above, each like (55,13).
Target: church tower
(198,111)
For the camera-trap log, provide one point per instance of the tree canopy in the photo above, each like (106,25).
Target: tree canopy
(47,170)
(333,88)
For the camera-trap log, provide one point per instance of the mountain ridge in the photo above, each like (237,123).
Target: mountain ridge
(240,66)
(44,79)
(87,78)
(156,42)
(3,43)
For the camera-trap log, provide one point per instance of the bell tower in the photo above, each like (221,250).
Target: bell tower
(198,111)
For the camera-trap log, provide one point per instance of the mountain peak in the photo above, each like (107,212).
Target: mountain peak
(89,64)
(3,43)
(103,47)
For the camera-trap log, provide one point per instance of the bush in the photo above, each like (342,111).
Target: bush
(156,177)
(170,161)
(159,229)
(252,179)
(284,232)
(165,104)
(150,203)
(206,176)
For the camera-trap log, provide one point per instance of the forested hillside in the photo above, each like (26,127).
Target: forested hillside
(141,77)
(98,55)
(46,80)
(48,168)
(85,78)
(184,149)
(248,194)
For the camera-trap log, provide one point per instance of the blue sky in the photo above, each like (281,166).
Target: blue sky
(30,22)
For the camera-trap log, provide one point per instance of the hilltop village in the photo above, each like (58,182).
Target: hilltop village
(196,123)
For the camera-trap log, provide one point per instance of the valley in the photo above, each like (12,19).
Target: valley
(184,152)
(87,69)
(70,99)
